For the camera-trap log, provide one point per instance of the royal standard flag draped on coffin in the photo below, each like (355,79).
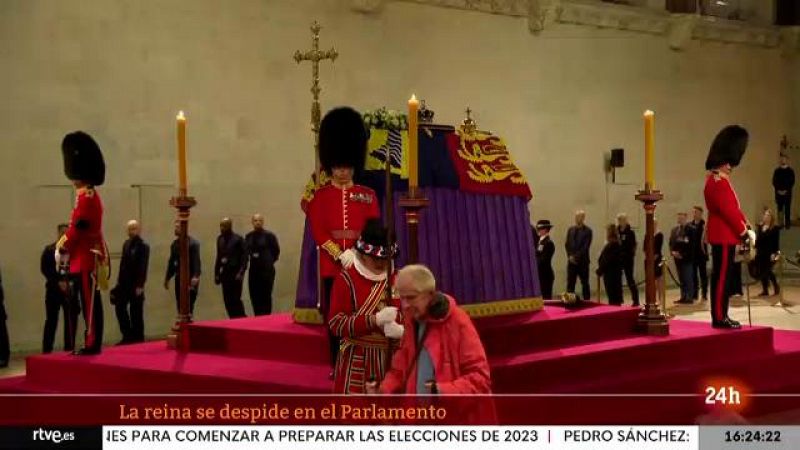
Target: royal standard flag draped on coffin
(476,162)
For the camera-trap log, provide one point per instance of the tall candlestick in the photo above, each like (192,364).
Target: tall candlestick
(413,169)
(181,119)
(649,149)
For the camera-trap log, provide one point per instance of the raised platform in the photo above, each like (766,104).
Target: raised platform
(589,350)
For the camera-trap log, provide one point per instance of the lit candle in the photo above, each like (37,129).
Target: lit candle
(649,149)
(413,169)
(181,119)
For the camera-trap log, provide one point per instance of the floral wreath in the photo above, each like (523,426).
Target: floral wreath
(385,119)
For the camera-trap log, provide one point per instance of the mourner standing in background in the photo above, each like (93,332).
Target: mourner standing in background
(783,182)
(610,265)
(579,241)
(627,239)
(128,295)
(545,249)
(5,346)
(680,247)
(230,266)
(57,298)
(699,253)
(263,251)
(658,260)
(173,269)
(767,252)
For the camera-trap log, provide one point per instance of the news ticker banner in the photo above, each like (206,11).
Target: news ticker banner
(401,437)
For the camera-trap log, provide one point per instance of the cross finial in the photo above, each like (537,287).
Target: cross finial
(469,112)
(315,56)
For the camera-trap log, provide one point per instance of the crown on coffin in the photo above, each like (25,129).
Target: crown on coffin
(424,114)
(468,125)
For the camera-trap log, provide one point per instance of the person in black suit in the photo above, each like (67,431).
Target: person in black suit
(767,252)
(545,249)
(700,246)
(610,265)
(627,239)
(230,266)
(680,247)
(579,241)
(658,259)
(57,298)
(263,251)
(173,269)
(783,183)
(5,347)
(129,291)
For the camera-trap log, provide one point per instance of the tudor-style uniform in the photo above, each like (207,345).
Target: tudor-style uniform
(339,210)
(727,225)
(83,242)
(361,316)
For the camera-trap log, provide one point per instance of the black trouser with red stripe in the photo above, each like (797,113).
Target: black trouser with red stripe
(325,309)
(92,308)
(722,275)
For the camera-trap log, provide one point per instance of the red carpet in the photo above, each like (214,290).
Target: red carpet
(588,350)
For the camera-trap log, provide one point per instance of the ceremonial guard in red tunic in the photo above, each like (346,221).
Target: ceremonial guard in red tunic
(339,210)
(361,316)
(727,225)
(82,249)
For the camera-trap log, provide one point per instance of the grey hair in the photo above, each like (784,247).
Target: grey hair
(421,277)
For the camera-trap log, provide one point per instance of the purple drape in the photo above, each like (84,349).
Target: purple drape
(480,247)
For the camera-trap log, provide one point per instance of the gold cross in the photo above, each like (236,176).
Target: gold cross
(315,56)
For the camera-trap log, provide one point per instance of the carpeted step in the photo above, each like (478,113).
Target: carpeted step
(274,337)
(555,327)
(278,338)
(19,385)
(689,344)
(152,368)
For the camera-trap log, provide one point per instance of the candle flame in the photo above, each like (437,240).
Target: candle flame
(413,99)
(649,113)
(181,116)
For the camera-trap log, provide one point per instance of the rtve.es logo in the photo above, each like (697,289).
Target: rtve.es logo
(54,436)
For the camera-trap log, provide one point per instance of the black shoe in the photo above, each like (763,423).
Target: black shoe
(86,352)
(3,363)
(727,323)
(685,301)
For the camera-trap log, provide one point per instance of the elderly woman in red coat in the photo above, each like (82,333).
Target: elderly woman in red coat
(440,352)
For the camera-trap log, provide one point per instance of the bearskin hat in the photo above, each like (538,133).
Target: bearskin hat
(728,147)
(83,159)
(342,139)
(374,240)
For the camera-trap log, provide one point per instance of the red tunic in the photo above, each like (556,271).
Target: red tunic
(363,352)
(337,217)
(85,234)
(726,221)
